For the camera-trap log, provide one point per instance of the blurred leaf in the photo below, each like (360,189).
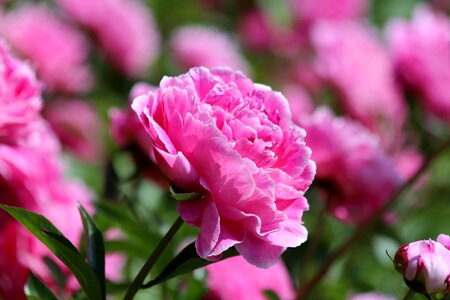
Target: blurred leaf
(271,295)
(184,196)
(55,241)
(36,290)
(186,261)
(57,274)
(95,248)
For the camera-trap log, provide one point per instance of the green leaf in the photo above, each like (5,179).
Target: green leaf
(55,241)
(184,196)
(186,261)
(36,290)
(95,248)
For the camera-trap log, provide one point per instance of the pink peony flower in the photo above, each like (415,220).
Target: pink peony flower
(77,126)
(124,29)
(217,133)
(20,98)
(370,296)
(352,163)
(418,49)
(191,46)
(249,282)
(311,11)
(425,266)
(32,177)
(58,50)
(346,50)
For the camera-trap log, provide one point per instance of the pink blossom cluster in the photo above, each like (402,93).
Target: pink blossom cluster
(194,46)
(425,266)
(124,29)
(249,282)
(57,50)
(217,133)
(420,51)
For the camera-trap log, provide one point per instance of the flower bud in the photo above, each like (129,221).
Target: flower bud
(425,266)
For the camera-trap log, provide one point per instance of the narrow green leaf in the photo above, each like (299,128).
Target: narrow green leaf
(57,274)
(36,290)
(95,248)
(184,196)
(186,261)
(55,241)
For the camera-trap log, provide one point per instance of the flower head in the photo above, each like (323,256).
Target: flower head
(418,48)
(57,49)
(216,132)
(425,266)
(374,99)
(124,29)
(79,130)
(352,163)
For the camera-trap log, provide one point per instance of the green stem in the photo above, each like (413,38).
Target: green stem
(364,227)
(409,295)
(139,280)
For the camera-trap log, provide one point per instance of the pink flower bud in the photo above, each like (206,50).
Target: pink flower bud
(425,266)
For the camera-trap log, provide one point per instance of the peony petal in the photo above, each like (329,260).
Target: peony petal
(258,252)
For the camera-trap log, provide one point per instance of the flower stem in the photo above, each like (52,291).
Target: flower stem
(364,227)
(409,295)
(139,280)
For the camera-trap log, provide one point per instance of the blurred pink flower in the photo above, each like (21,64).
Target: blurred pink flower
(129,134)
(77,126)
(352,59)
(425,265)
(351,162)
(34,180)
(32,177)
(259,32)
(371,296)
(236,279)
(194,46)
(299,101)
(20,98)
(124,29)
(125,127)
(114,261)
(311,11)
(217,133)
(58,50)
(419,49)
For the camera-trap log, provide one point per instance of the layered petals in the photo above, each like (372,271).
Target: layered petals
(215,132)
